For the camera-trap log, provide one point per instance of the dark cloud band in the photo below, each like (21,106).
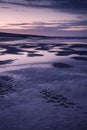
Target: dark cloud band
(63,4)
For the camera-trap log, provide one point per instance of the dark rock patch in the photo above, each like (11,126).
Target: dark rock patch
(61,65)
(28,46)
(43,48)
(32,51)
(78,46)
(10,49)
(34,55)
(64,53)
(4,62)
(81,52)
(57,99)
(67,49)
(6,85)
(59,44)
(79,58)
(14,50)
(41,44)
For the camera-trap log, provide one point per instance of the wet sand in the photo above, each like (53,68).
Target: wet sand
(43,86)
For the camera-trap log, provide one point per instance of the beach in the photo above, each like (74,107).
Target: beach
(43,84)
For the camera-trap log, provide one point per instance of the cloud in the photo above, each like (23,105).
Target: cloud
(50,31)
(63,28)
(72,5)
(18,24)
(35,23)
(57,24)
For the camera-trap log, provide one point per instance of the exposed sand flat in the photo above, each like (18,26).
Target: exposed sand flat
(42,87)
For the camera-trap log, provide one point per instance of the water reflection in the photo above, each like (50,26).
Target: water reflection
(24,52)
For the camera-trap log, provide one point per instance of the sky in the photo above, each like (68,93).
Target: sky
(44,17)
